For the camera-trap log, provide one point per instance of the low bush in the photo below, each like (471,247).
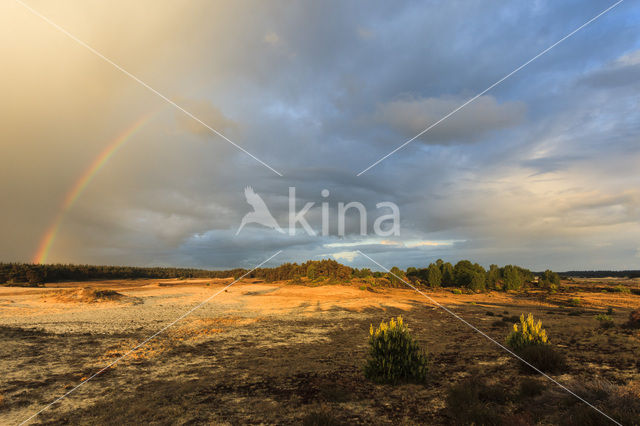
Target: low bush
(621,289)
(549,279)
(530,333)
(530,388)
(575,301)
(512,318)
(456,291)
(544,357)
(530,342)
(620,402)
(394,356)
(634,319)
(605,320)
(320,418)
(473,402)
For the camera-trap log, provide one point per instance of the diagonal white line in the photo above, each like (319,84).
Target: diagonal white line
(492,340)
(492,86)
(100,55)
(139,345)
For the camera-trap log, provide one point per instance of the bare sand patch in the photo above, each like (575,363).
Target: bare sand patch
(87,295)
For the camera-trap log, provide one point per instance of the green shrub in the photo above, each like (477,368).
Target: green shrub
(394,356)
(603,317)
(549,279)
(514,277)
(320,418)
(513,318)
(621,289)
(493,277)
(634,319)
(575,301)
(605,320)
(456,291)
(447,274)
(474,402)
(620,402)
(530,388)
(543,357)
(551,276)
(470,275)
(434,276)
(529,333)
(396,277)
(530,342)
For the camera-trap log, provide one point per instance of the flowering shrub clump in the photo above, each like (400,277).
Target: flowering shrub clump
(394,356)
(529,341)
(529,333)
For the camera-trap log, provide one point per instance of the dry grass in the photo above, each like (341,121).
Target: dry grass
(276,353)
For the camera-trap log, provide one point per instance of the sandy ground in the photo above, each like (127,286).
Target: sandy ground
(273,353)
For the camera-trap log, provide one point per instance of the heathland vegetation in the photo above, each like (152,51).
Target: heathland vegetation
(332,344)
(463,274)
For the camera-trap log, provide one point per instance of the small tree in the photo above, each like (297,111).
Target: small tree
(447,274)
(511,278)
(396,276)
(470,275)
(312,272)
(434,276)
(549,279)
(493,276)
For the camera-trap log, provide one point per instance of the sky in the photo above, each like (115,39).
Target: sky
(542,170)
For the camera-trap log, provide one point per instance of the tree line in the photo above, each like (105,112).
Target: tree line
(474,277)
(438,274)
(603,274)
(17,273)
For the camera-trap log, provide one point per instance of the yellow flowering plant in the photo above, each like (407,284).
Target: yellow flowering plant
(393,354)
(529,333)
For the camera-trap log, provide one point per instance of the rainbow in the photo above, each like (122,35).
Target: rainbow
(81,184)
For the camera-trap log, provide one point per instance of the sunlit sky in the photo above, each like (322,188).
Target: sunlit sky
(542,171)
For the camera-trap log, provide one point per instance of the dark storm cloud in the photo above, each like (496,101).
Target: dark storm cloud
(411,116)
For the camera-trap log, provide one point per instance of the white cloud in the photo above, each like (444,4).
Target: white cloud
(346,255)
(430,243)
